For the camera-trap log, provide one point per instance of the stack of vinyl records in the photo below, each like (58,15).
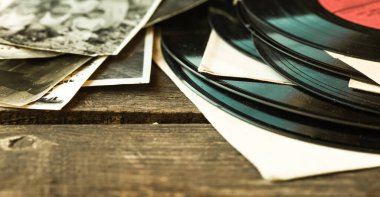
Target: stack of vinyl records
(307,44)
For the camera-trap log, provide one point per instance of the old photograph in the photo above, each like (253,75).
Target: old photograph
(170,8)
(13,52)
(61,94)
(25,81)
(86,27)
(131,66)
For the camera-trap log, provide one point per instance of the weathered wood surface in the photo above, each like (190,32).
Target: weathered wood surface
(139,159)
(146,160)
(160,101)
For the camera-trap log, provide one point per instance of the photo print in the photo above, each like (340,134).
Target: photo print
(85,27)
(132,66)
(25,81)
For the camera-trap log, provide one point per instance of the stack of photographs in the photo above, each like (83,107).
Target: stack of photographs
(49,49)
(241,58)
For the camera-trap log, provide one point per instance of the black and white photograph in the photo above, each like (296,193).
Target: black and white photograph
(25,81)
(85,27)
(171,8)
(13,52)
(132,66)
(62,93)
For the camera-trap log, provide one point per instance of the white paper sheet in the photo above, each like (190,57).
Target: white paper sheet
(359,85)
(276,157)
(370,69)
(221,59)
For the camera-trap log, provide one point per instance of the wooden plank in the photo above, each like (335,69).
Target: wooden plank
(160,101)
(146,160)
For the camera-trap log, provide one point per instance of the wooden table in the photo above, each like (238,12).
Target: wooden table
(146,140)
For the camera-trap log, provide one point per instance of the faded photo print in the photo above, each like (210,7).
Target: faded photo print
(87,27)
(24,81)
(131,66)
(128,64)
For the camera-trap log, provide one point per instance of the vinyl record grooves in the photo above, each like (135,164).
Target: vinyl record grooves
(307,112)
(328,85)
(280,122)
(308,54)
(310,23)
(224,21)
(284,97)
(187,50)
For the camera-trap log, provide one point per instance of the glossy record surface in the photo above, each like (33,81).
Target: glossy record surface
(186,45)
(281,122)
(327,85)
(223,20)
(319,58)
(307,21)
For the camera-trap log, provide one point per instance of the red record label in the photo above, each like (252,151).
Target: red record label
(362,12)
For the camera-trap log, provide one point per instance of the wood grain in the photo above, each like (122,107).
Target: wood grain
(161,101)
(146,160)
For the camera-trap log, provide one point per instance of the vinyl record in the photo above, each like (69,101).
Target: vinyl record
(278,121)
(317,57)
(324,84)
(223,20)
(322,23)
(187,50)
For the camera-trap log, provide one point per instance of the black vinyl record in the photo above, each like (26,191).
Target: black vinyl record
(317,57)
(325,84)
(227,25)
(314,23)
(186,46)
(278,121)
